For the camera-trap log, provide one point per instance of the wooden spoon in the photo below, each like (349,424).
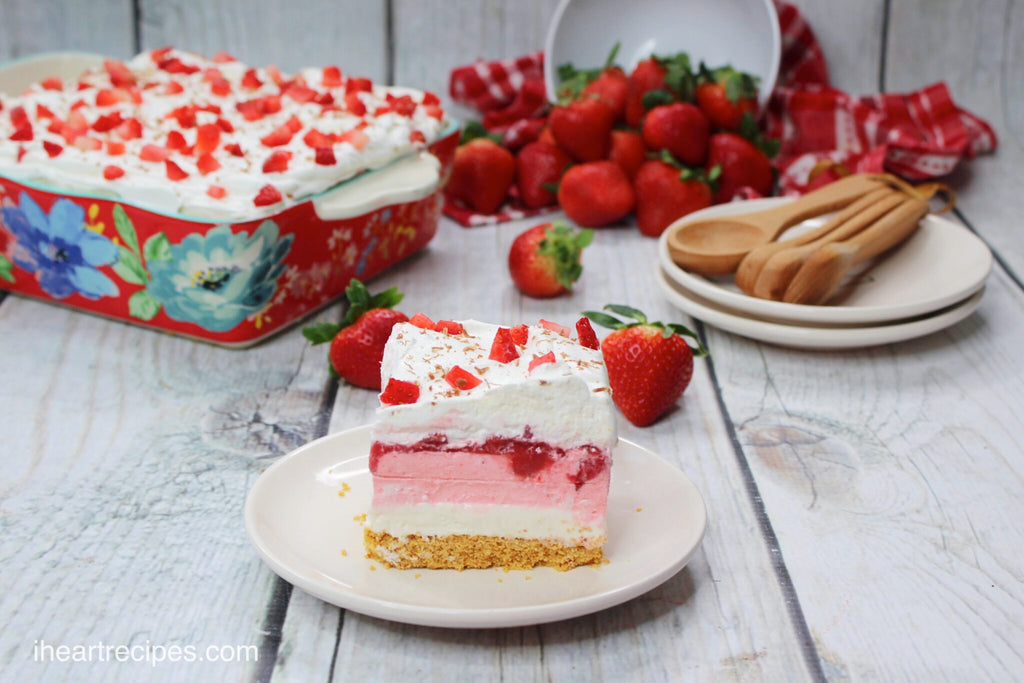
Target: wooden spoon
(715,246)
(780,269)
(752,264)
(821,274)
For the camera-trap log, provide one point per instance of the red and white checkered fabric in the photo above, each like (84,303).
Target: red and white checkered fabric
(918,135)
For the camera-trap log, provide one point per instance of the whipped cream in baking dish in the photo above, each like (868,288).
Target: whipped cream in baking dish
(174,132)
(565,402)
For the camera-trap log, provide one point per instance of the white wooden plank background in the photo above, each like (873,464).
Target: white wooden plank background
(864,508)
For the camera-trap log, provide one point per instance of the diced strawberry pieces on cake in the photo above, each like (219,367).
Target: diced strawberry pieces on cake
(52,148)
(154,153)
(216,191)
(520,334)
(267,195)
(462,379)
(277,162)
(331,77)
(174,172)
(399,392)
(325,156)
(281,135)
(555,327)
(586,335)
(52,83)
(112,172)
(421,321)
(207,163)
(503,348)
(548,357)
(449,327)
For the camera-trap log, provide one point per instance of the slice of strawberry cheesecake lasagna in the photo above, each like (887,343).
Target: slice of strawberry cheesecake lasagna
(492,447)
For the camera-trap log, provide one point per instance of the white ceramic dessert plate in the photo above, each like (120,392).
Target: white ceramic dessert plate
(311,535)
(941,264)
(809,335)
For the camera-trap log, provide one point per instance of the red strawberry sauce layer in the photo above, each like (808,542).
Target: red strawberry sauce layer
(523,457)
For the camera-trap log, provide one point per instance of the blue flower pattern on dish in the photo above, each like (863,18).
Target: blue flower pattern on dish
(216,280)
(62,253)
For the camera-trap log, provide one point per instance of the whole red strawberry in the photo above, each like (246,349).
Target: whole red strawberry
(544,261)
(610,86)
(648,75)
(742,164)
(628,151)
(649,364)
(583,128)
(481,175)
(725,95)
(539,166)
(665,193)
(596,193)
(357,344)
(680,128)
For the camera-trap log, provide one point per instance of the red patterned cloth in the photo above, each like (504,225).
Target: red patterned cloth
(917,135)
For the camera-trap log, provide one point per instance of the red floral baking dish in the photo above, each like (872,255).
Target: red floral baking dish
(229,282)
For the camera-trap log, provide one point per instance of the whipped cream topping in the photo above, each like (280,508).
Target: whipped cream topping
(565,403)
(174,132)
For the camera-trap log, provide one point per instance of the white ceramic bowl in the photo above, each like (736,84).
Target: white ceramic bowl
(744,33)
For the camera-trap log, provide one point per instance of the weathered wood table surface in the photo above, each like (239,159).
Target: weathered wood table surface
(866,508)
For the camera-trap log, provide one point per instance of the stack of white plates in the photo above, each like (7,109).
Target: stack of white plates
(934,280)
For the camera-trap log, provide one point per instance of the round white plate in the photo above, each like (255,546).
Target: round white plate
(941,264)
(311,536)
(811,336)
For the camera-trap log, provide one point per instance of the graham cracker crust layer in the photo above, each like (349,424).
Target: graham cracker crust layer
(462,551)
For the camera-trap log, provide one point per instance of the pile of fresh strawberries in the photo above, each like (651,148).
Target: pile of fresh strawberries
(663,141)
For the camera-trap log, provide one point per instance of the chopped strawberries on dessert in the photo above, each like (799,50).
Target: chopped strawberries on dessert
(300,93)
(216,191)
(250,80)
(354,104)
(129,130)
(315,138)
(449,327)
(271,104)
(176,66)
(220,87)
(267,195)
(87,144)
(420,320)
(107,122)
(325,156)
(52,83)
(417,136)
(554,327)
(293,124)
(18,117)
(324,98)
(358,85)
(430,98)
(108,98)
(356,138)
(24,133)
(548,357)
(174,172)
(207,138)
(503,349)
(186,116)
(52,148)
(277,162)
(160,54)
(461,379)
(112,172)
(21,151)
(234,149)
(154,153)
(250,110)
(281,135)
(206,163)
(212,74)
(586,335)
(42,112)
(275,74)
(221,57)
(331,77)
(520,334)
(175,140)
(120,75)
(77,104)
(115,148)
(174,88)
(226,125)
(398,392)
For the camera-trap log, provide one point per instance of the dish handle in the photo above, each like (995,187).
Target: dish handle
(19,74)
(406,180)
